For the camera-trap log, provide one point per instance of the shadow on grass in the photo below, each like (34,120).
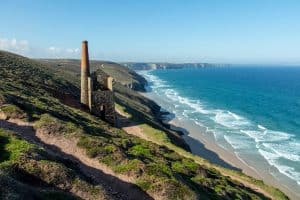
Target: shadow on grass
(19,189)
(113,185)
(4,155)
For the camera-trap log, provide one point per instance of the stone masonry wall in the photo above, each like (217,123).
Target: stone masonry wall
(99,80)
(103,105)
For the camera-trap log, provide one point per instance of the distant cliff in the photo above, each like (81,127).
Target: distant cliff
(149,66)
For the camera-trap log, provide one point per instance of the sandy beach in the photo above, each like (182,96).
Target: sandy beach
(205,146)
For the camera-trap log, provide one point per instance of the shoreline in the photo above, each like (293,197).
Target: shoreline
(205,146)
(209,144)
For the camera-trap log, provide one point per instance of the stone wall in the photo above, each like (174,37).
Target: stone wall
(99,80)
(103,105)
(109,83)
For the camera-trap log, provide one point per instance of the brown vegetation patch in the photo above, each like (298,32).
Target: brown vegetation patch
(12,112)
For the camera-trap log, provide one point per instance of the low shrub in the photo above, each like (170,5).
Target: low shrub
(159,170)
(49,125)
(13,112)
(170,189)
(143,183)
(140,150)
(130,167)
(178,167)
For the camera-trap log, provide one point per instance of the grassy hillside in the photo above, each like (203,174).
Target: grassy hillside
(39,104)
(124,75)
(145,109)
(29,172)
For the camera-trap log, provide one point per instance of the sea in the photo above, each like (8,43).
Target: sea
(253,111)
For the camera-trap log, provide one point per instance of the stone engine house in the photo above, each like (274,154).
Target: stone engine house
(96,90)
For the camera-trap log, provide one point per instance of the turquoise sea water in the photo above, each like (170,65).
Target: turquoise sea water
(254,110)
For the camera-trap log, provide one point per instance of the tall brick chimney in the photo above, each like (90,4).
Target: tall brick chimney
(85,74)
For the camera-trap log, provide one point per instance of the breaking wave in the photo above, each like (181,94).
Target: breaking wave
(280,149)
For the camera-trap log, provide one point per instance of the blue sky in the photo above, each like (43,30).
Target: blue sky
(219,31)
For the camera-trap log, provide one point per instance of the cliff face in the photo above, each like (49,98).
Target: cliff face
(50,149)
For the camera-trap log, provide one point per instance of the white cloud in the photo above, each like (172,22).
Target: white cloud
(76,50)
(24,48)
(58,52)
(52,49)
(14,45)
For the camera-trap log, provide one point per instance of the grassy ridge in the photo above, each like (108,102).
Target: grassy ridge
(28,172)
(159,137)
(122,74)
(35,90)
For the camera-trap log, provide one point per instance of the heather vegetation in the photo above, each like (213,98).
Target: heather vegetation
(35,93)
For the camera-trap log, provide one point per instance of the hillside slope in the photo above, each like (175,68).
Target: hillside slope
(145,110)
(50,149)
(124,75)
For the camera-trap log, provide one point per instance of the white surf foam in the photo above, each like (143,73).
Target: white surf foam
(285,150)
(237,142)
(230,120)
(272,159)
(241,133)
(261,127)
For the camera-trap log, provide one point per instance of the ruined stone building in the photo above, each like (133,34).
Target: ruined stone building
(96,89)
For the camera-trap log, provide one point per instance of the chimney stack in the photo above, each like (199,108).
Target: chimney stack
(85,74)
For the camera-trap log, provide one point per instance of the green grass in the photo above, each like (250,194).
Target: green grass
(122,110)
(178,167)
(159,170)
(140,151)
(12,147)
(143,183)
(21,161)
(52,125)
(127,166)
(155,134)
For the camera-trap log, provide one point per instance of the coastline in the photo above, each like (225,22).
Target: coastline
(205,146)
(209,144)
